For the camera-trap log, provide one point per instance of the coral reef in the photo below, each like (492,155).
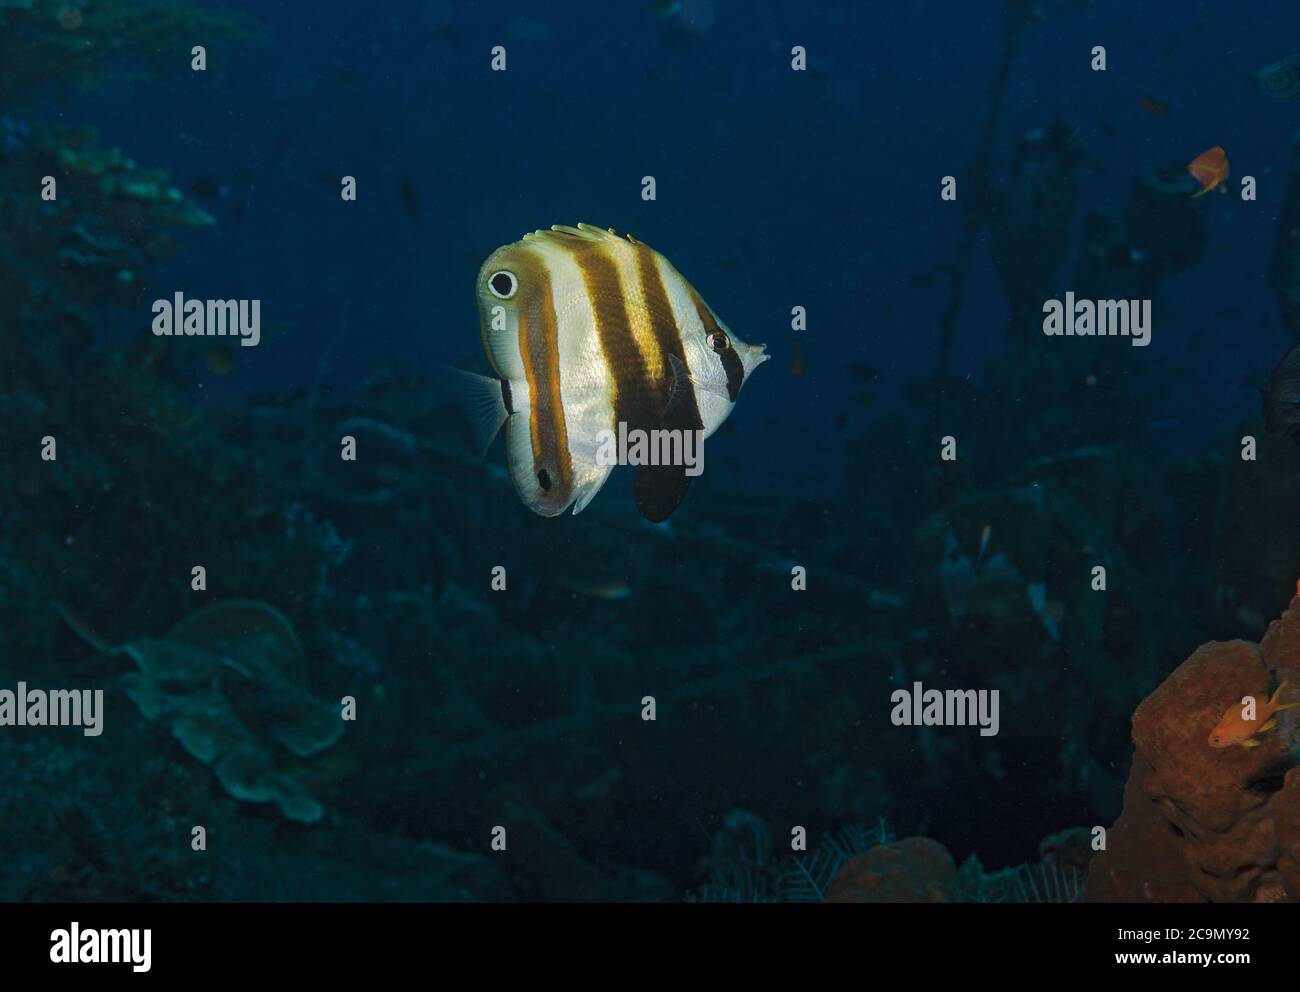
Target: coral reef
(369,579)
(75,45)
(1201,823)
(860,864)
(229,682)
(914,869)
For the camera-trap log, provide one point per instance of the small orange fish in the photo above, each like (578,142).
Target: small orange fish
(1210,169)
(1154,107)
(1235,729)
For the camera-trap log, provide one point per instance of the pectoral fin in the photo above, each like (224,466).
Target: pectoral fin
(1250,742)
(683,376)
(677,395)
(486,402)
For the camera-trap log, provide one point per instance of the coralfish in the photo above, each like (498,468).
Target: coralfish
(1210,169)
(1234,728)
(592,334)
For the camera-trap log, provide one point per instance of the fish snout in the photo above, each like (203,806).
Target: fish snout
(752,356)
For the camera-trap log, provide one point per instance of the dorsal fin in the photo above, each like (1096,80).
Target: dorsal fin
(583,232)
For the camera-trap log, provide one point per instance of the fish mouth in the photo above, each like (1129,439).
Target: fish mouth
(752,356)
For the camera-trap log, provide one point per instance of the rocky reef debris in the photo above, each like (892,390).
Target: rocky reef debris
(1204,824)
(229,682)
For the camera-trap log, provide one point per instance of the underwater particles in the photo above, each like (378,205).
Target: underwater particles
(1210,170)
(1243,722)
(592,334)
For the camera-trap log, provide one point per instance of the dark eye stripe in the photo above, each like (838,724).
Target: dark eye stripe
(735,370)
(731,363)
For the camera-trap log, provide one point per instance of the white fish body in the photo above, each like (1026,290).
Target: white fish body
(590,332)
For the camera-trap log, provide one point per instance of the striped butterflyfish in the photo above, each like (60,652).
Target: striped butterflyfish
(589,331)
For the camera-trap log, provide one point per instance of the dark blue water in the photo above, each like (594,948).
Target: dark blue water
(775,189)
(831,177)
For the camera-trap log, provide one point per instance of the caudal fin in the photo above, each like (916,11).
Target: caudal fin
(1277,694)
(484,401)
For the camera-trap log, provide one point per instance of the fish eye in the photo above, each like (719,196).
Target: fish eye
(719,341)
(503,284)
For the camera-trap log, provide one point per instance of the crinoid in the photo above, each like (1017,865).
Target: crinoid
(810,876)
